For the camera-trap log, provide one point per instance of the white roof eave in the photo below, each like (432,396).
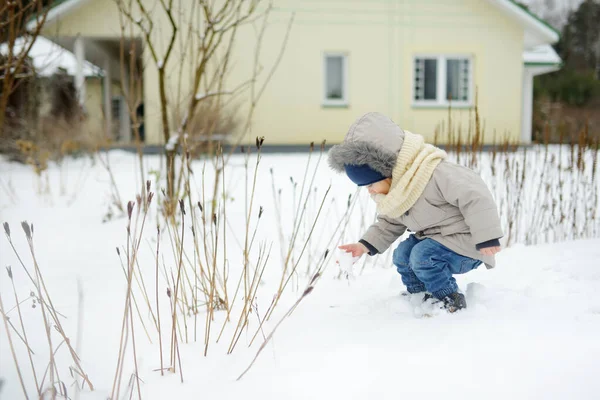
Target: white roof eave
(541,60)
(48,57)
(56,12)
(542,55)
(536,31)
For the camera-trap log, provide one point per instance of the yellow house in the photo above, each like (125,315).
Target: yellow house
(409,59)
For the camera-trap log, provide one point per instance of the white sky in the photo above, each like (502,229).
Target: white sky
(563,4)
(554,11)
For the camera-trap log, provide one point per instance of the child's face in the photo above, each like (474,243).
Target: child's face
(381,187)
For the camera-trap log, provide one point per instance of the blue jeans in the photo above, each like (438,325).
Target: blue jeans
(426,265)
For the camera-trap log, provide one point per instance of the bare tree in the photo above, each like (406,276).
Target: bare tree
(14,15)
(199,39)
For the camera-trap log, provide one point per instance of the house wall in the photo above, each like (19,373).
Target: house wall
(94,106)
(94,103)
(380,38)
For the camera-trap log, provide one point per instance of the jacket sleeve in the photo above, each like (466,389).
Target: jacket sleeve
(488,244)
(466,190)
(382,234)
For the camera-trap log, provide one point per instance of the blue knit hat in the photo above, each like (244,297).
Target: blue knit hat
(362,175)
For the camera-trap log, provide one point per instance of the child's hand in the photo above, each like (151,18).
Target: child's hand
(490,251)
(357,249)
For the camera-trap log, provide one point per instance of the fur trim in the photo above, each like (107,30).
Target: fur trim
(359,153)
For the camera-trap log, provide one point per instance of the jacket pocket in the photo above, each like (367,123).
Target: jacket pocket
(427,215)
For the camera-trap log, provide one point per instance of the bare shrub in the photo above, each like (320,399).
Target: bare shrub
(63,97)
(196,53)
(51,132)
(212,124)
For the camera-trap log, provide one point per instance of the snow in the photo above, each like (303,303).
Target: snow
(172,143)
(530,332)
(346,262)
(544,54)
(48,57)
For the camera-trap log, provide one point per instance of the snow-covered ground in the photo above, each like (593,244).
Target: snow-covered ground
(530,332)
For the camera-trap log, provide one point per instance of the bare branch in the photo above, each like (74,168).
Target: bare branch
(147,31)
(12,71)
(169,12)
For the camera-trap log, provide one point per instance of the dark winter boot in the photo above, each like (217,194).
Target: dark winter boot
(454,302)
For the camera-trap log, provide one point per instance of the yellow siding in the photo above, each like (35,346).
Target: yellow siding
(380,38)
(93,103)
(97,19)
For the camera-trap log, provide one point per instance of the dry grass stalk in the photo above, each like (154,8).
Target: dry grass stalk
(213,283)
(306,292)
(285,277)
(50,316)
(124,326)
(157,302)
(245,276)
(115,194)
(24,338)
(12,348)
(132,248)
(263,258)
(137,308)
(176,286)
(284,283)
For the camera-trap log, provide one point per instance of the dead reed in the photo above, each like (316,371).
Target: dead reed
(53,329)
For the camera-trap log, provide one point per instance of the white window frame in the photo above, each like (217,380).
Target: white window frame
(441,95)
(343,102)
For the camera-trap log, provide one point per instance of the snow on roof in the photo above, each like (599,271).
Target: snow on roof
(48,57)
(543,54)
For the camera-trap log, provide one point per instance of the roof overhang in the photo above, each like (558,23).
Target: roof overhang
(48,58)
(537,31)
(59,9)
(541,60)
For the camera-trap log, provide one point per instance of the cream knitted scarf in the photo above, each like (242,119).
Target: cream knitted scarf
(414,166)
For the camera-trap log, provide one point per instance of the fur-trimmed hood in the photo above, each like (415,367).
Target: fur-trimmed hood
(373,139)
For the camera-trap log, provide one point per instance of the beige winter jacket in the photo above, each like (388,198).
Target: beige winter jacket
(456,209)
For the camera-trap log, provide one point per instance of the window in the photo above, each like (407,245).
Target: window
(442,80)
(335,85)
